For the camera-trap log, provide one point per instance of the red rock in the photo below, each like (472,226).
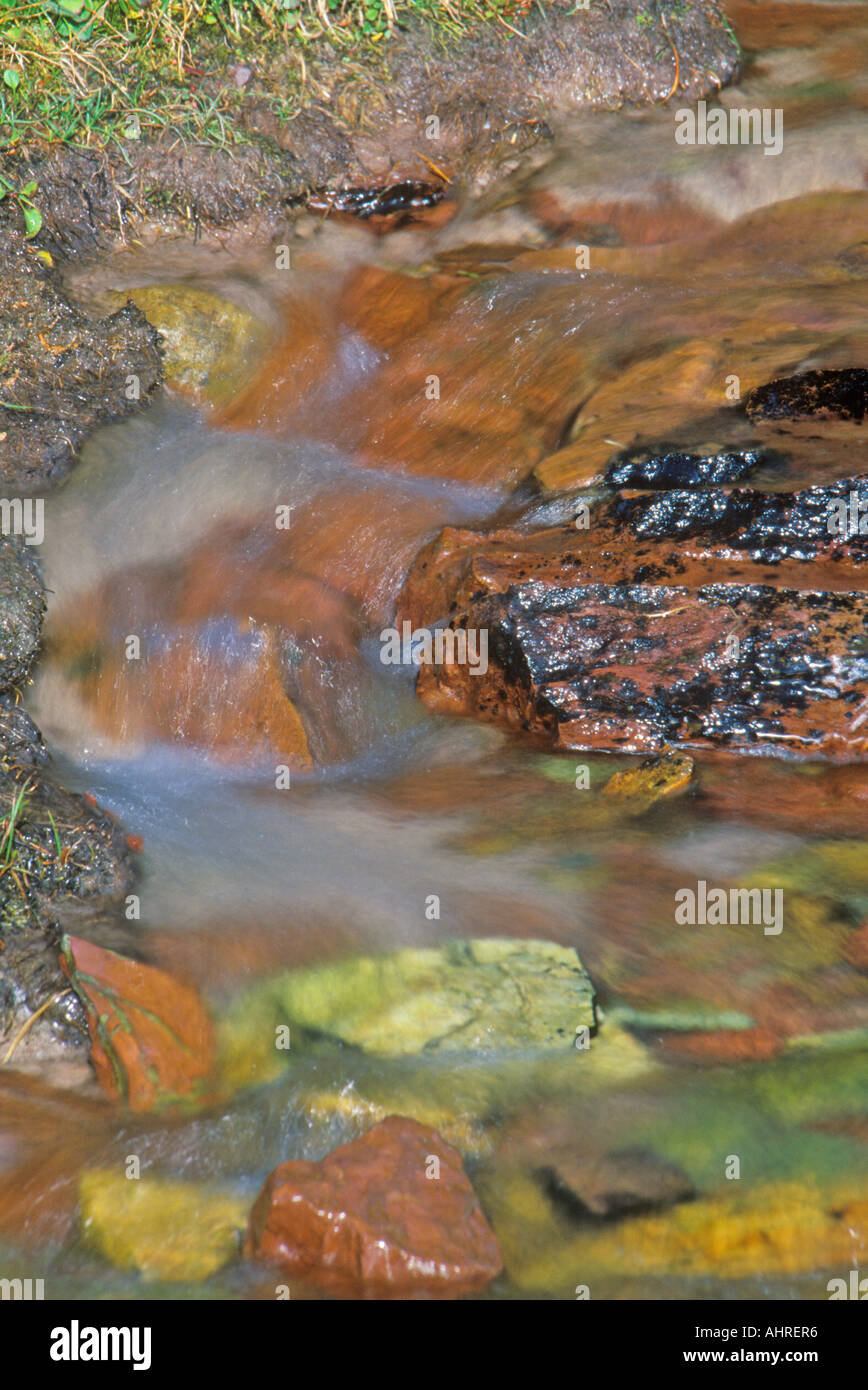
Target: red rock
(386,306)
(659,623)
(368,1220)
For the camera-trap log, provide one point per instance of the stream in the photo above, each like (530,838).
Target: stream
(166,531)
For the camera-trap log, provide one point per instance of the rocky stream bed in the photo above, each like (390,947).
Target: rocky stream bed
(434,708)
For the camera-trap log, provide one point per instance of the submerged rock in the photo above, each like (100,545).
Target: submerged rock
(210,346)
(652,779)
(486,995)
(391,1214)
(775,1228)
(459,1119)
(613,1184)
(166,1230)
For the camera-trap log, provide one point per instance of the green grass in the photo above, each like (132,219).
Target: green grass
(91,71)
(33,854)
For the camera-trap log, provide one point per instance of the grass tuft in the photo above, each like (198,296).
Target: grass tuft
(88,72)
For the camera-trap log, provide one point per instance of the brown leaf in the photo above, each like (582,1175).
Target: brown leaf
(152,1040)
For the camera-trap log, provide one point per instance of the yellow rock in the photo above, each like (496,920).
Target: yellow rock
(210,345)
(773,1229)
(166,1230)
(652,779)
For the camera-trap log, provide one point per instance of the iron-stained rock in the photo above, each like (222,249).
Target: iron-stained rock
(391,1214)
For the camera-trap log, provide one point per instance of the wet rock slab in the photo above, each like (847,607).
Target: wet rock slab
(709,617)
(390,1215)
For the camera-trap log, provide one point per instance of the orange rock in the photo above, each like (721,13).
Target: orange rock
(773,1228)
(624,223)
(291,379)
(218,690)
(784,24)
(152,1041)
(247,638)
(391,1214)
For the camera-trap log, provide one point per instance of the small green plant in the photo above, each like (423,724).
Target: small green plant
(23,197)
(11,821)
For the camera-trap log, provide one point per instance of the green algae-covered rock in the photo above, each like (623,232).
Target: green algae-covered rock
(210,345)
(169,1231)
(488,995)
(493,996)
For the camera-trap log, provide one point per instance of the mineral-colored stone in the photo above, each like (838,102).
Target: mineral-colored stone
(652,779)
(210,345)
(774,1228)
(486,995)
(391,1214)
(632,668)
(167,1230)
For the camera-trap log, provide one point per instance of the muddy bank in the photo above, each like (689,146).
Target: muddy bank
(426,113)
(61,372)
(469,105)
(59,853)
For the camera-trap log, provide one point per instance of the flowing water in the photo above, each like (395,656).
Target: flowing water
(168,527)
